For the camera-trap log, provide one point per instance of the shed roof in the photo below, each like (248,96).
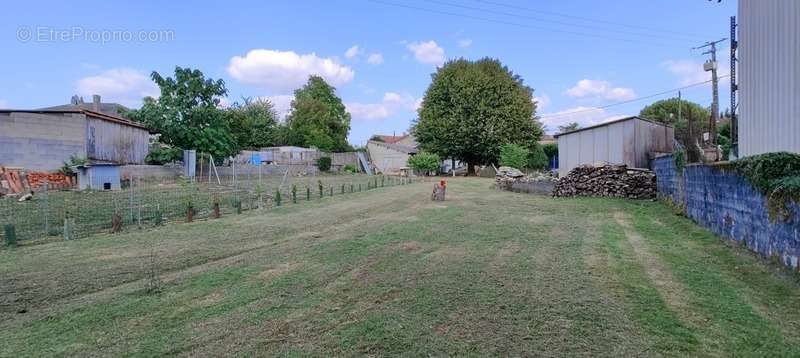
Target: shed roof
(610,123)
(396,147)
(86,112)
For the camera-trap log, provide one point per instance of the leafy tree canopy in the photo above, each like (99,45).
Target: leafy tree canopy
(666,111)
(186,114)
(472,108)
(569,127)
(318,118)
(253,123)
(514,155)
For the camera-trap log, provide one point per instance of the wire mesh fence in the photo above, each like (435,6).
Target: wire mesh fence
(146,202)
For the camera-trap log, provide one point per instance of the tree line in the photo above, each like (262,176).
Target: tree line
(188,115)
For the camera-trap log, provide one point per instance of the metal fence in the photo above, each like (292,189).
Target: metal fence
(143,202)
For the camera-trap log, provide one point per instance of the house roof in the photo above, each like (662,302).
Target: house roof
(391,138)
(86,112)
(610,123)
(108,108)
(402,148)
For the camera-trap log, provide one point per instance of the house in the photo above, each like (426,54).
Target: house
(628,141)
(43,140)
(391,157)
(76,103)
(768,76)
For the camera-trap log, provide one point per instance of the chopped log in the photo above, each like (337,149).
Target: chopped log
(607,180)
(438,192)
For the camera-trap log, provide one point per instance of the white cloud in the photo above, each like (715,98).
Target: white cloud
(585,116)
(284,71)
(122,85)
(600,89)
(4,104)
(427,52)
(464,42)
(541,101)
(375,58)
(282,103)
(391,103)
(353,52)
(691,72)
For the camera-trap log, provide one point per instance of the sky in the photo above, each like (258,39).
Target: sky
(582,57)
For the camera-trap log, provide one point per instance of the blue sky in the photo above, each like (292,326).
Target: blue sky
(577,54)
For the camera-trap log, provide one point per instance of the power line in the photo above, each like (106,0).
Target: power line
(587,19)
(576,33)
(556,115)
(559,22)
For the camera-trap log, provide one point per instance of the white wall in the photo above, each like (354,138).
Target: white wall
(769,76)
(386,160)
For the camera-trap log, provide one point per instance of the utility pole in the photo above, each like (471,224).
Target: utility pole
(734,88)
(711,65)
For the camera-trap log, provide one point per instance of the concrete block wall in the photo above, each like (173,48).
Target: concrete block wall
(41,141)
(726,204)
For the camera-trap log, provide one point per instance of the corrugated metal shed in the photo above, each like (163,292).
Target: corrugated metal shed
(769,76)
(623,141)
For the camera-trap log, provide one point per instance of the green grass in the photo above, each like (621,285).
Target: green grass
(389,272)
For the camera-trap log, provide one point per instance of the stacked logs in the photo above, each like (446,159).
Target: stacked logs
(607,180)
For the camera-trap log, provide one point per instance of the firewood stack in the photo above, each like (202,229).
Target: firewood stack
(607,180)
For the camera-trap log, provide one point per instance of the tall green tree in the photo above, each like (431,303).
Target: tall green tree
(472,108)
(666,111)
(253,123)
(317,118)
(186,114)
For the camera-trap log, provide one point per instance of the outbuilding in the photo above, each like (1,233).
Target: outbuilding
(628,141)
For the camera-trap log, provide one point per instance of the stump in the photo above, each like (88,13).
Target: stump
(116,223)
(438,192)
(215,212)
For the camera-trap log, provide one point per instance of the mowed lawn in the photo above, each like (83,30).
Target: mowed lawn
(389,272)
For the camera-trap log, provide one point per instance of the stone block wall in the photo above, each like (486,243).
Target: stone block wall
(726,204)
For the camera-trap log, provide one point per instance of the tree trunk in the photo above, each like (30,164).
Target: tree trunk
(470,168)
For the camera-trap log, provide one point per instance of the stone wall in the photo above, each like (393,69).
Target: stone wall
(726,204)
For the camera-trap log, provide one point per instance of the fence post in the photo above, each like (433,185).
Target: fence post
(11,235)
(139,206)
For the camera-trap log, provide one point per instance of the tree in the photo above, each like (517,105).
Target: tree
(253,123)
(186,115)
(317,118)
(538,159)
(472,108)
(514,155)
(569,127)
(666,111)
(424,162)
(550,150)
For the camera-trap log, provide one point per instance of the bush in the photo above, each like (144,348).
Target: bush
(424,162)
(514,155)
(537,160)
(74,160)
(350,168)
(777,176)
(551,150)
(324,163)
(160,155)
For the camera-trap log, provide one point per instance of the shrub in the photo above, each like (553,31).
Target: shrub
(777,176)
(513,155)
(551,150)
(160,155)
(324,163)
(74,160)
(537,160)
(424,162)
(350,168)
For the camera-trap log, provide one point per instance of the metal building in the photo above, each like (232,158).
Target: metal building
(769,76)
(627,141)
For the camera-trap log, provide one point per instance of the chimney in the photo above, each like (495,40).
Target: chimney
(96,102)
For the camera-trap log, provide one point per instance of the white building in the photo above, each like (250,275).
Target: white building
(768,74)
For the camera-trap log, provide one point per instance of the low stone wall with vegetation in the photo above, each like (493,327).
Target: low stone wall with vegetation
(722,198)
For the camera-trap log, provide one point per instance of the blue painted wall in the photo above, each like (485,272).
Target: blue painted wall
(725,203)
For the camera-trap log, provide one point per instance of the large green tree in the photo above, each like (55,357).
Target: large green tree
(472,108)
(253,123)
(186,114)
(666,111)
(317,118)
